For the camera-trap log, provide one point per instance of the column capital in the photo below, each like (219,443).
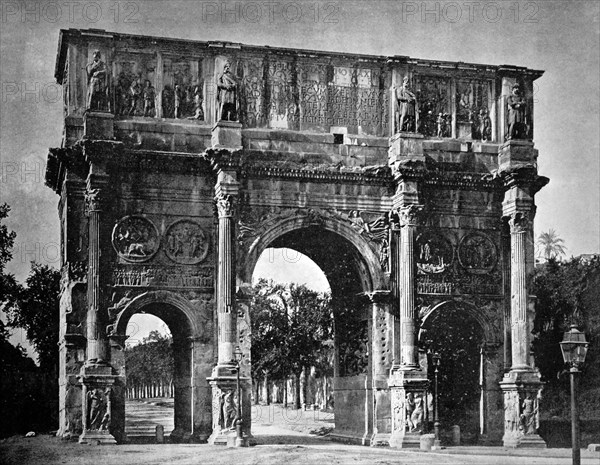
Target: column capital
(225,205)
(94,200)
(409,215)
(520,221)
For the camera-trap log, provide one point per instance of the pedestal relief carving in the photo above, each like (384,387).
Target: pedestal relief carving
(135,239)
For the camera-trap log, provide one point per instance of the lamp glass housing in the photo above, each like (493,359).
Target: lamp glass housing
(574,346)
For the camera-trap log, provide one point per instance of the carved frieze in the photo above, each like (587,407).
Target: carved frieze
(186,242)
(163,277)
(477,253)
(135,239)
(472,108)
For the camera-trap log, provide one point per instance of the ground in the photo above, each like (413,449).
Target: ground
(283,437)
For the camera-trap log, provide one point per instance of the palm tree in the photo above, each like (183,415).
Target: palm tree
(551,246)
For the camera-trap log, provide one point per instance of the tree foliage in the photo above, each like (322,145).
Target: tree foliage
(150,362)
(35,308)
(567,293)
(292,329)
(551,246)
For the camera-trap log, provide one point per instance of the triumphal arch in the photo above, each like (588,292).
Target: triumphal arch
(410,182)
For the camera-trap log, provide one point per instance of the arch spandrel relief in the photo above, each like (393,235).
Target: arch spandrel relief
(186,242)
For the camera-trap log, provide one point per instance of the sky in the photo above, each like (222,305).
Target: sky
(560,37)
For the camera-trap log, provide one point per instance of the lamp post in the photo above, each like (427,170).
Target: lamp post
(239,440)
(436,421)
(574,349)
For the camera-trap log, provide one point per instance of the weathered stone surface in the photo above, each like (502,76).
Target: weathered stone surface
(307,158)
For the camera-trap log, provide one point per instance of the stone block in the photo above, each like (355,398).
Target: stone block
(517,154)
(227,134)
(427,441)
(98,126)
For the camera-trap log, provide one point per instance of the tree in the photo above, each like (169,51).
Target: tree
(151,362)
(291,328)
(8,285)
(36,309)
(567,293)
(551,245)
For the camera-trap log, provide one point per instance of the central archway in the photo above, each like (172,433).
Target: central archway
(353,271)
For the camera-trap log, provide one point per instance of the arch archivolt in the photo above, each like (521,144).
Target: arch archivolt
(254,238)
(488,315)
(141,302)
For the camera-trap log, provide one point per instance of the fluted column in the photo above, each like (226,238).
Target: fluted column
(97,343)
(520,225)
(408,223)
(226,279)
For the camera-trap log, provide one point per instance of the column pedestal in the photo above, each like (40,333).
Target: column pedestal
(97,382)
(521,406)
(409,394)
(227,134)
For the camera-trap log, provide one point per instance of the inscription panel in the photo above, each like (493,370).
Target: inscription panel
(176,277)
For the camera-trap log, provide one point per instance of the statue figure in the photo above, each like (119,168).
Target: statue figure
(227,95)
(416,417)
(517,107)
(485,125)
(527,417)
(410,408)
(406,107)
(149,95)
(135,92)
(229,411)
(179,96)
(96,93)
(198,111)
(97,408)
(441,123)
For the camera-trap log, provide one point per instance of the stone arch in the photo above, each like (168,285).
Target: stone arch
(271,231)
(491,334)
(192,361)
(157,297)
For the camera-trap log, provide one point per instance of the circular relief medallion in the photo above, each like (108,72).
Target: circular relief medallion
(477,253)
(186,242)
(434,253)
(135,238)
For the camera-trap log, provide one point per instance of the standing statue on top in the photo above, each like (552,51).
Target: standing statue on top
(517,114)
(405,115)
(97,98)
(227,95)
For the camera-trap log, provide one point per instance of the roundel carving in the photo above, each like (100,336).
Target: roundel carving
(186,242)
(477,253)
(135,238)
(434,253)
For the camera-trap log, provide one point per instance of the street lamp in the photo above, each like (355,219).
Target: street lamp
(239,440)
(436,421)
(574,349)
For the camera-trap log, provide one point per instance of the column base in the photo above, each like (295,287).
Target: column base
(380,440)
(97,437)
(402,440)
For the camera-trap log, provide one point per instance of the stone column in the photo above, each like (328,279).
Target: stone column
(97,342)
(227,316)
(96,375)
(521,386)
(407,381)
(407,267)
(520,226)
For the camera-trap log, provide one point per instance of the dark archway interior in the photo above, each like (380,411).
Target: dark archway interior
(457,337)
(348,277)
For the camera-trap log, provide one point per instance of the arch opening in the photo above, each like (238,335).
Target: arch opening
(453,331)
